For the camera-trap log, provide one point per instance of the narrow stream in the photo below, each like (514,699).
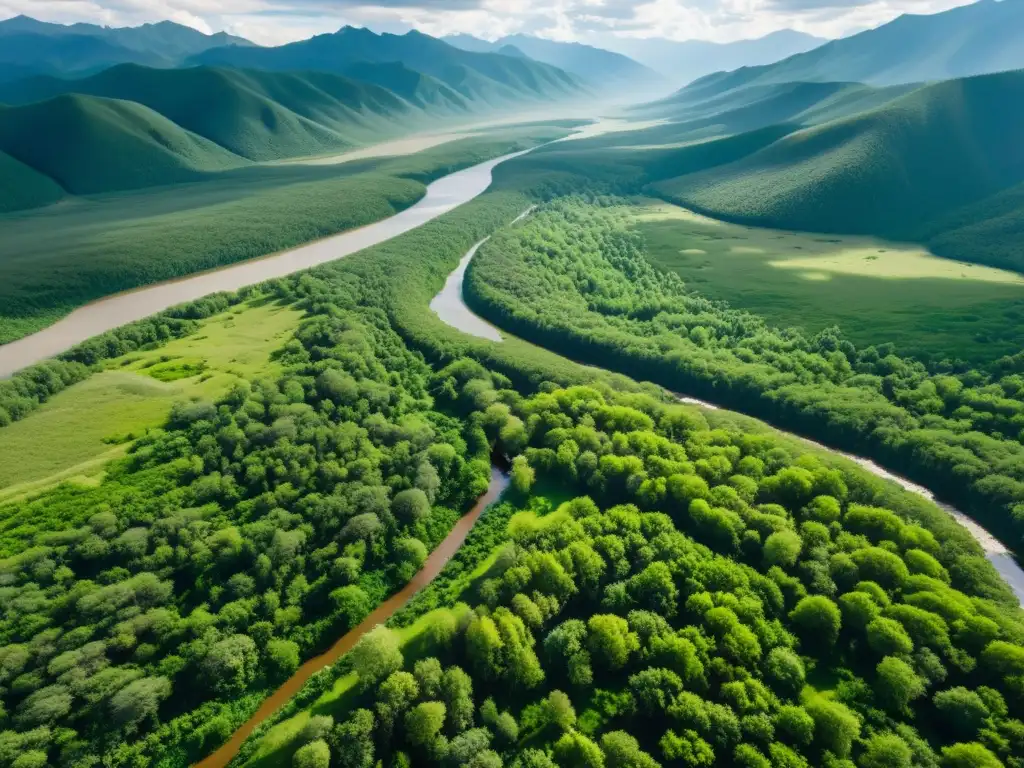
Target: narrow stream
(434,564)
(451,307)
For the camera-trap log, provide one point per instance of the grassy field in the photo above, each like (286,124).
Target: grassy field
(874,290)
(72,435)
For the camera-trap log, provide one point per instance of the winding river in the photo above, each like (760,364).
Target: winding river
(451,307)
(114,311)
(433,565)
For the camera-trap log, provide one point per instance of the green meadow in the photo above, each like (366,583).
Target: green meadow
(873,289)
(78,430)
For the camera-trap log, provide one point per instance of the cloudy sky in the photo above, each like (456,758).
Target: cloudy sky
(595,21)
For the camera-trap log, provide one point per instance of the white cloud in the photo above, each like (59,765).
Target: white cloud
(273,22)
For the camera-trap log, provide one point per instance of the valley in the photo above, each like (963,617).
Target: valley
(384,399)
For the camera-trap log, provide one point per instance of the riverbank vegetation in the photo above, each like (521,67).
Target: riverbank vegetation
(708,597)
(574,278)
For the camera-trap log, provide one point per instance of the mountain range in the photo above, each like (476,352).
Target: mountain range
(29,46)
(681,61)
(984,37)
(593,65)
(490,78)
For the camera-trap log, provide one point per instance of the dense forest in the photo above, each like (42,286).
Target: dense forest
(225,548)
(574,279)
(716,598)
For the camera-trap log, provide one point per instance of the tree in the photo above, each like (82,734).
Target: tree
(887,637)
(523,475)
(687,749)
(377,654)
(423,722)
(785,669)
(457,694)
(282,658)
(818,621)
(398,691)
(610,640)
(352,741)
(533,758)
(835,726)
(352,603)
(45,706)
(897,684)
(410,555)
(139,700)
(410,505)
(428,676)
(654,689)
(316,754)
(623,751)
(654,588)
(970,755)
(886,750)
(231,664)
(782,548)
(962,710)
(560,710)
(574,750)
(795,725)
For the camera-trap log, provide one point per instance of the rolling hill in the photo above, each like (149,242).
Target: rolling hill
(256,115)
(487,78)
(942,164)
(982,38)
(681,61)
(595,65)
(116,145)
(24,187)
(59,49)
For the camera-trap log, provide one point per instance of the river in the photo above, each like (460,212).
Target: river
(451,307)
(435,562)
(114,311)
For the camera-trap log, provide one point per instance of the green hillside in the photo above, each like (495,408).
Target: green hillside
(90,145)
(895,170)
(24,187)
(985,37)
(490,78)
(258,115)
(418,89)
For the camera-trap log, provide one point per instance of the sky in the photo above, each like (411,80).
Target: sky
(599,22)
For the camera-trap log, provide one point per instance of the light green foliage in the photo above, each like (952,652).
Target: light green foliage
(818,620)
(377,654)
(424,721)
(316,754)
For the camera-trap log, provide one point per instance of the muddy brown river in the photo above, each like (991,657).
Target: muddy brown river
(434,564)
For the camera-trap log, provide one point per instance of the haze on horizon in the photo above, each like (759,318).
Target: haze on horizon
(596,22)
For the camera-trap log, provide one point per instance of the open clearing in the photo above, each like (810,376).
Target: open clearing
(875,291)
(72,435)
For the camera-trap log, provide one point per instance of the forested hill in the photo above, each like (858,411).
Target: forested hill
(132,126)
(488,77)
(987,36)
(908,169)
